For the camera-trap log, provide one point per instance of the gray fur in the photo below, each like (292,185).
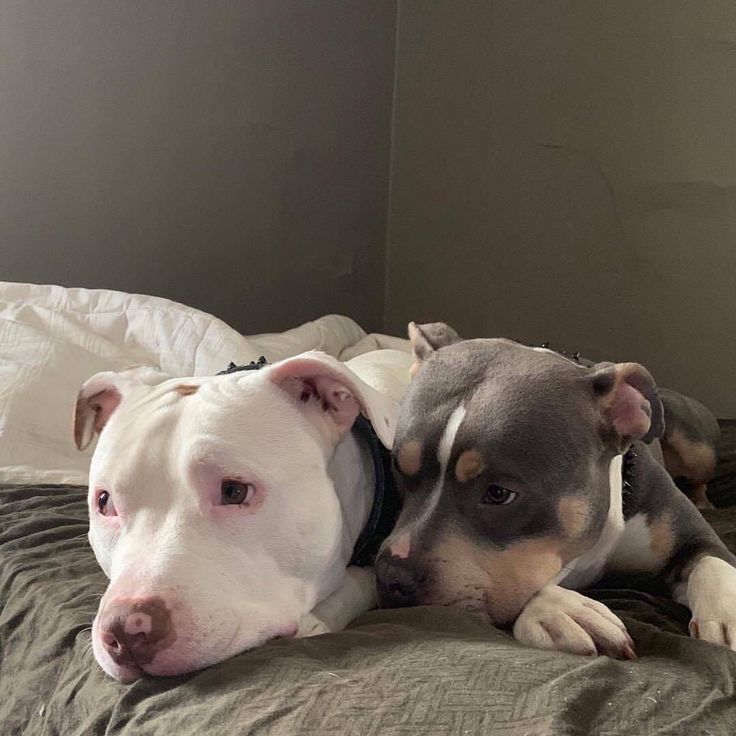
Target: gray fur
(693,419)
(541,424)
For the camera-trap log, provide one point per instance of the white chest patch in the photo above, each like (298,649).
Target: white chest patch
(589,567)
(634,552)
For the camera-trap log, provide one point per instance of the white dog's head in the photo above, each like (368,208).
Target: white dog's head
(211,508)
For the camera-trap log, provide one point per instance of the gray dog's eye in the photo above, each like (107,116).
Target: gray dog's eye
(499,495)
(236,492)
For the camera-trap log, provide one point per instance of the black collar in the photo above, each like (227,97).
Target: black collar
(628,469)
(385,509)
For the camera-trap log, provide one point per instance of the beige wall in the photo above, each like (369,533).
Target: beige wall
(566,171)
(230,155)
(561,171)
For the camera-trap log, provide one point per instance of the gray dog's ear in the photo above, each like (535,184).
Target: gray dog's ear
(427,338)
(629,402)
(101,394)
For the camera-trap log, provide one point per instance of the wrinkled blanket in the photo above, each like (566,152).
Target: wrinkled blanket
(414,671)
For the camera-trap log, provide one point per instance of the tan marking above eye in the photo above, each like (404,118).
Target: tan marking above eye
(409,457)
(469,466)
(574,515)
(661,536)
(186,389)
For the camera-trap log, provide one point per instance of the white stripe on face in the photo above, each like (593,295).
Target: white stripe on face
(444,451)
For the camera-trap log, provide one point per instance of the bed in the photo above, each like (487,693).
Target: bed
(412,671)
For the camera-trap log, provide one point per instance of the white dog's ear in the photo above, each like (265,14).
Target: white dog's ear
(334,395)
(101,394)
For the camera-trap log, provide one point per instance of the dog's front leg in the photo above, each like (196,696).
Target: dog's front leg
(701,572)
(558,618)
(356,595)
(707,586)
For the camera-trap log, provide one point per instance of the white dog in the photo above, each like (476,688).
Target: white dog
(225,509)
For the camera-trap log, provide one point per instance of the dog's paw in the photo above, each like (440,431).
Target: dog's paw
(711,593)
(715,630)
(557,618)
(310,625)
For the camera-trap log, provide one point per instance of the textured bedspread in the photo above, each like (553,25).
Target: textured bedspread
(421,671)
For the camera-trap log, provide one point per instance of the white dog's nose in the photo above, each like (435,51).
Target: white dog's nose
(132,630)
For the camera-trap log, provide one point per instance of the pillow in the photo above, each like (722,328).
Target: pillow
(52,339)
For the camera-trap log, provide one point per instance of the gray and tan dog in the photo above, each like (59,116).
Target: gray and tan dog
(525,476)
(689,444)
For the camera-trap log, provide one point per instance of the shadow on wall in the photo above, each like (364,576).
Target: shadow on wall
(566,172)
(232,156)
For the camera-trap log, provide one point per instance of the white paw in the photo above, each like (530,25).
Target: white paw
(557,618)
(711,593)
(310,625)
(715,630)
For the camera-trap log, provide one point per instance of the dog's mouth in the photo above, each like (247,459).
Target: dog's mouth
(187,657)
(128,671)
(127,674)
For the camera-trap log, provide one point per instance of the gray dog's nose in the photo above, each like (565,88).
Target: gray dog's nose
(132,630)
(398,580)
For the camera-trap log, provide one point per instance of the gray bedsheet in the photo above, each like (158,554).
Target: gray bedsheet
(413,671)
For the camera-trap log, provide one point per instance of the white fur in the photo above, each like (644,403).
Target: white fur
(558,618)
(444,450)
(589,567)
(356,595)
(710,593)
(633,553)
(233,577)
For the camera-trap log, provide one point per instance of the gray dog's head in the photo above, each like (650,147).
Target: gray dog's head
(502,456)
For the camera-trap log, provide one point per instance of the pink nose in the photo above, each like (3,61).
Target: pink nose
(401,547)
(132,630)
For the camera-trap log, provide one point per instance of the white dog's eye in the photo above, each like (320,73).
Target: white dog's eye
(104,504)
(499,495)
(236,492)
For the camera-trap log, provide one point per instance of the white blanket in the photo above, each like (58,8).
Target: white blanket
(52,339)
